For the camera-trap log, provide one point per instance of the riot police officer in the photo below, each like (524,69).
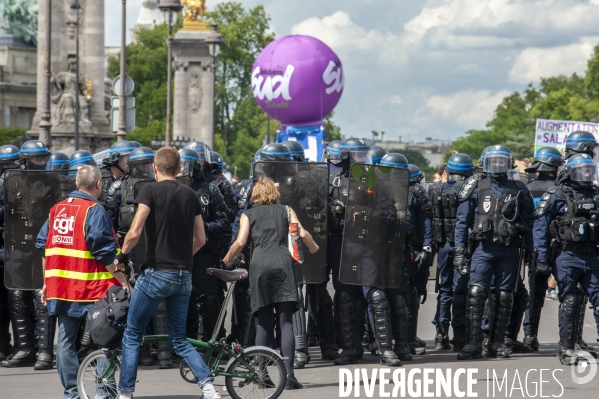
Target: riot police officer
(77,160)
(224,186)
(117,163)
(451,285)
(58,161)
(296,150)
(9,159)
(418,253)
(349,300)
(207,292)
(500,213)
(566,231)
(33,155)
(547,162)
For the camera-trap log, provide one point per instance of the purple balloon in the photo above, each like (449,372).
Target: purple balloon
(297,80)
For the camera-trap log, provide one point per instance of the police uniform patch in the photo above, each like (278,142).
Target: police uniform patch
(487,203)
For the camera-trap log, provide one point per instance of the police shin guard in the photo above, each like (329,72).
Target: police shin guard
(302,355)
(458,320)
(583,345)
(502,307)
(521,302)
(368,340)
(381,313)
(360,311)
(416,344)
(344,312)
(328,344)
(475,305)
(161,328)
(21,317)
(399,326)
(570,323)
(46,328)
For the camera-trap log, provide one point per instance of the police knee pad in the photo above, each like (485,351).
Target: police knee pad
(377,298)
(477,292)
(570,304)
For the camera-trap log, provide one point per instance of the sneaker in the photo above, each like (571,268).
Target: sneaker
(552,294)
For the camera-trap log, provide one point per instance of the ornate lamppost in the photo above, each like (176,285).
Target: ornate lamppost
(76,6)
(214,40)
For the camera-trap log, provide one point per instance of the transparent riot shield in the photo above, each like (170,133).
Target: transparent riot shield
(375,219)
(304,187)
(28,197)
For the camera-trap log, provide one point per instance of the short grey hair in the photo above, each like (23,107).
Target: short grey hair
(87,177)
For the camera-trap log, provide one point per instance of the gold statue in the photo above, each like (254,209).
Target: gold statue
(88,89)
(194,15)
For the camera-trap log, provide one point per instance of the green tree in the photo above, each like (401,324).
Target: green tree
(9,134)
(332,130)
(591,78)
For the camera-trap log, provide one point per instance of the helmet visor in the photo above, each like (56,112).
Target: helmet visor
(186,167)
(513,174)
(358,155)
(584,172)
(497,163)
(142,170)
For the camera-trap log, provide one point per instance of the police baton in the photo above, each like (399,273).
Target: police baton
(532,274)
(521,257)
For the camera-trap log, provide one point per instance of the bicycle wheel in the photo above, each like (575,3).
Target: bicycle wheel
(271,371)
(97,377)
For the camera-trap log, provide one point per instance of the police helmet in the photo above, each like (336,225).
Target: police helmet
(58,161)
(9,154)
(395,159)
(377,153)
(118,154)
(547,159)
(497,160)
(74,169)
(296,150)
(217,161)
(201,149)
(275,152)
(136,144)
(355,150)
(140,163)
(416,175)
(580,142)
(331,153)
(459,164)
(189,159)
(481,160)
(123,147)
(81,157)
(581,169)
(34,155)
(256,156)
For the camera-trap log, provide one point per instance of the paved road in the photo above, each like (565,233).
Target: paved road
(522,373)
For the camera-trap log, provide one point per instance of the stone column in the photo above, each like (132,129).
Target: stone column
(194,100)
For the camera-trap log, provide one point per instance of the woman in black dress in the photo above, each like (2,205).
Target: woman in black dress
(271,274)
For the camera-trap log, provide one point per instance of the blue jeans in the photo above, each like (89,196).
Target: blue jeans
(66,354)
(151,287)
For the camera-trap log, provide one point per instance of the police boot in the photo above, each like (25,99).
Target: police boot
(21,316)
(474,313)
(570,322)
(399,326)
(345,308)
(442,338)
(581,344)
(381,313)
(312,334)
(530,338)
(145,356)
(328,344)
(511,338)
(368,340)
(161,328)
(502,308)
(302,355)
(46,329)
(415,343)
(459,338)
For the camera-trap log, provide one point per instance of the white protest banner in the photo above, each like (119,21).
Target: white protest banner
(551,133)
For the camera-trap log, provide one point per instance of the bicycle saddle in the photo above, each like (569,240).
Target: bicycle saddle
(228,276)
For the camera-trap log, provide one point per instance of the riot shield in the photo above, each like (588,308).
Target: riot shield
(375,218)
(29,196)
(304,186)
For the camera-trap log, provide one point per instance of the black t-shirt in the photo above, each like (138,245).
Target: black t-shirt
(169,226)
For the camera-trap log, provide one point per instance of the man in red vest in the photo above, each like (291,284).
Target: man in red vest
(81,262)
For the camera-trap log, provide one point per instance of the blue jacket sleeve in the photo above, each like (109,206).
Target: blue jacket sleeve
(99,235)
(541,235)
(427,238)
(465,218)
(220,224)
(42,236)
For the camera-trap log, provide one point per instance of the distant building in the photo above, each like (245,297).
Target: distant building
(18,76)
(433,150)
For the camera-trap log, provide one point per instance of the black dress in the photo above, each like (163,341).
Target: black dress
(271,274)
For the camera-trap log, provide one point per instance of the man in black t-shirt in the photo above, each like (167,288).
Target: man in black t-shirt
(170,212)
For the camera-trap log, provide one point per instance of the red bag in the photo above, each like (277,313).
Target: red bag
(295,244)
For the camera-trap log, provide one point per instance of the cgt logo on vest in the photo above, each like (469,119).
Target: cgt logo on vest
(64,224)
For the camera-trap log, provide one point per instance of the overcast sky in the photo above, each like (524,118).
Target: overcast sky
(429,68)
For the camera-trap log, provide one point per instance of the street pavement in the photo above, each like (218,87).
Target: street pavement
(538,374)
